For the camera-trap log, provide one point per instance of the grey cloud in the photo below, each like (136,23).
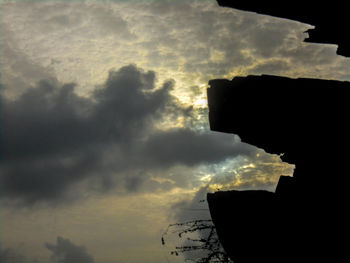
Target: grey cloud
(64,20)
(229,32)
(192,209)
(262,37)
(275,66)
(167,7)
(48,17)
(310,54)
(195,147)
(203,25)
(267,41)
(260,171)
(10,255)
(51,17)
(111,22)
(18,70)
(177,35)
(53,139)
(64,251)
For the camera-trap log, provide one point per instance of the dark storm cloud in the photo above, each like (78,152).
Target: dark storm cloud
(195,147)
(52,138)
(64,251)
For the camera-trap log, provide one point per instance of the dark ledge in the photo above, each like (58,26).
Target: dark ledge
(330,19)
(307,119)
(281,115)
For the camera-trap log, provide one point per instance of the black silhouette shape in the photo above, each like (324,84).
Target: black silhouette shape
(307,119)
(206,247)
(330,19)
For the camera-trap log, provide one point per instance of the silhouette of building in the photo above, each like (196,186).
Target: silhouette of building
(306,219)
(307,120)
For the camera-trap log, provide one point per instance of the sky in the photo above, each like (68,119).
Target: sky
(104,121)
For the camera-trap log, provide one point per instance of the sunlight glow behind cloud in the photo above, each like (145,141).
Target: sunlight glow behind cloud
(110,197)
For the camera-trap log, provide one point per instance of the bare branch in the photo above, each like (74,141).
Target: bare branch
(207,242)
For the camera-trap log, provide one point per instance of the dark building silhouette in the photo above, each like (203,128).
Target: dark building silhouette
(329,18)
(307,120)
(282,115)
(306,218)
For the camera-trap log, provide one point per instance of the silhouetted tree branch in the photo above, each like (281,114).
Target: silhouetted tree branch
(206,241)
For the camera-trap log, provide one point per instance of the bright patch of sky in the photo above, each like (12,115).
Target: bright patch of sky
(113,201)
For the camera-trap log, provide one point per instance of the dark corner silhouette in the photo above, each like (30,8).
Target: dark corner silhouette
(329,18)
(305,219)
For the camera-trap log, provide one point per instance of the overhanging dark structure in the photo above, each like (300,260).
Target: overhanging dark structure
(307,119)
(281,115)
(331,19)
(306,219)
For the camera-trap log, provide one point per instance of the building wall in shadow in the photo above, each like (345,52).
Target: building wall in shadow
(307,120)
(306,219)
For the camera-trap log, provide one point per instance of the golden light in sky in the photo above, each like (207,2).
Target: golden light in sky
(113,171)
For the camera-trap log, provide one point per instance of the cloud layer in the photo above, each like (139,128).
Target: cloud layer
(54,138)
(131,138)
(64,251)
(9,255)
(191,40)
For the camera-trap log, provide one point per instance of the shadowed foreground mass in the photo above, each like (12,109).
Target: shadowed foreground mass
(307,120)
(303,120)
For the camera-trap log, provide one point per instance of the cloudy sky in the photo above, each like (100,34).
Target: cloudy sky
(104,127)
